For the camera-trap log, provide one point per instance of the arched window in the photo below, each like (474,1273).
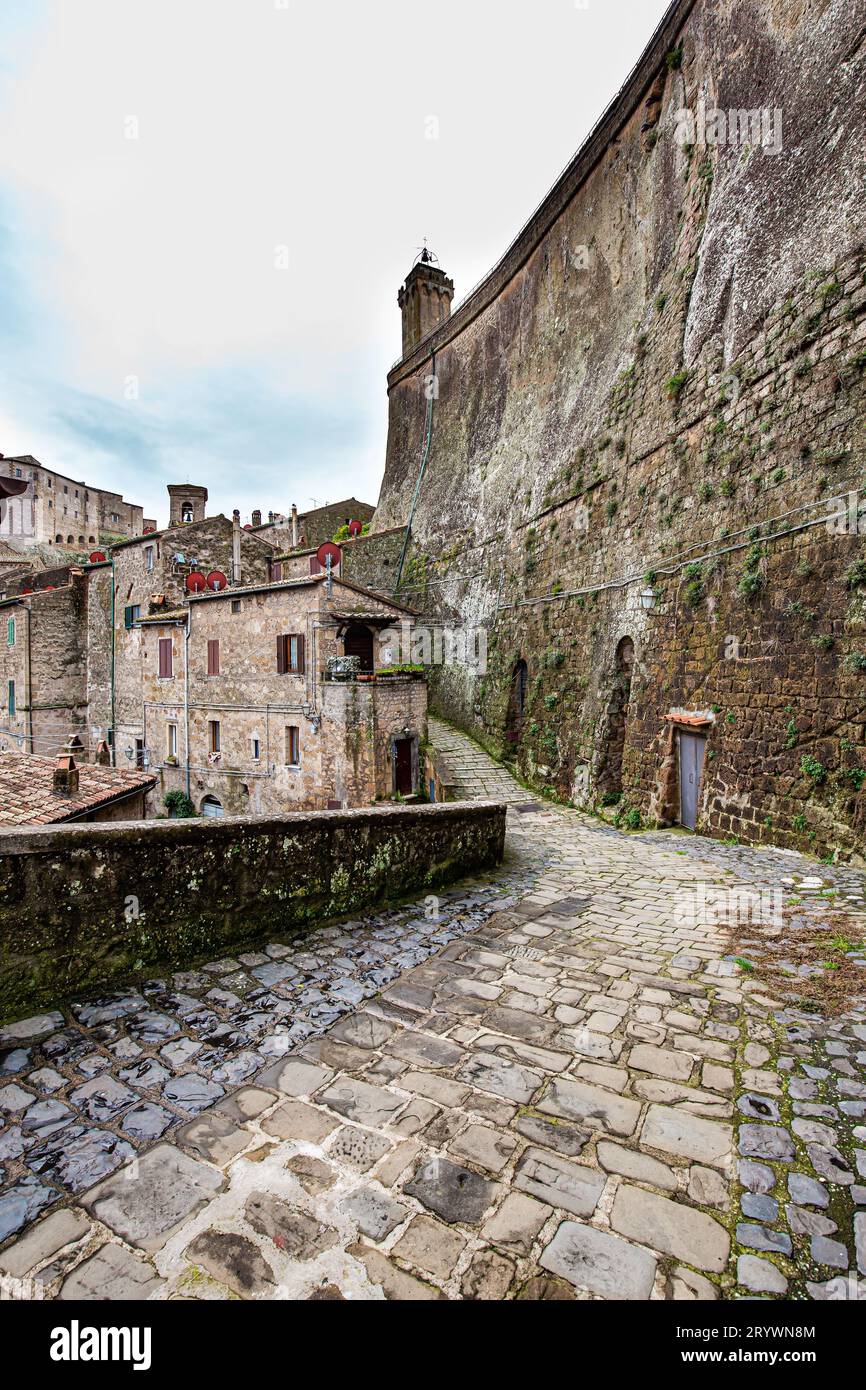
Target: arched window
(186,512)
(516,702)
(212,807)
(59,538)
(519,685)
(91,540)
(70,540)
(609,782)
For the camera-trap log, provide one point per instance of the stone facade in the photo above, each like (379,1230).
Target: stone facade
(309,529)
(85,656)
(150,576)
(233,707)
(43,666)
(60,511)
(372,561)
(647,429)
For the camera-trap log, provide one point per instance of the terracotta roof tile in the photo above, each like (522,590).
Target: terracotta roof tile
(27,795)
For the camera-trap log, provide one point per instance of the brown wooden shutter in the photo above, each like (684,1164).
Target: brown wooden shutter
(213,657)
(301,666)
(165,658)
(281,656)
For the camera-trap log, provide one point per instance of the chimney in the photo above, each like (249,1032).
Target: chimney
(236,546)
(65,776)
(294,525)
(425,300)
(103,754)
(257,518)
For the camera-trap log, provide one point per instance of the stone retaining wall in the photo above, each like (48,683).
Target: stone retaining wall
(83,906)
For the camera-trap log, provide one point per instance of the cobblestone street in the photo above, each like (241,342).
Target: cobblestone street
(548,1083)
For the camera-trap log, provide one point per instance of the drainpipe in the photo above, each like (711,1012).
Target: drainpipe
(236,547)
(28,693)
(112,740)
(186,701)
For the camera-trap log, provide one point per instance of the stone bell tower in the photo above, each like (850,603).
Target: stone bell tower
(425,300)
(188,503)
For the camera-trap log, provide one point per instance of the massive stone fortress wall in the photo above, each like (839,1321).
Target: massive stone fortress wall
(639,422)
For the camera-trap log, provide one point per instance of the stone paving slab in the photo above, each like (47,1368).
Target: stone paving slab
(553,1087)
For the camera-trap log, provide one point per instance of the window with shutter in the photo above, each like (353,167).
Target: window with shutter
(10,632)
(213,657)
(291,658)
(165,658)
(293,746)
(213,731)
(11,697)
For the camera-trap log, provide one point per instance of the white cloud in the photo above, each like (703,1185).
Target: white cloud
(259,128)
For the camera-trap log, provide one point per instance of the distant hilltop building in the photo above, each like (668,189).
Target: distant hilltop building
(59,511)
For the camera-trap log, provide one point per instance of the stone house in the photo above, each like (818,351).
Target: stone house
(373,561)
(310,529)
(44,658)
(246,708)
(55,510)
(151,577)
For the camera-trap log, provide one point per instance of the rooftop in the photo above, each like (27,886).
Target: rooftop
(27,795)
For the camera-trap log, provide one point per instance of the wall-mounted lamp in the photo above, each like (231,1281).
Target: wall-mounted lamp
(647,598)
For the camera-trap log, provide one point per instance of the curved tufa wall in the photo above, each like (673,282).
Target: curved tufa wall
(662,386)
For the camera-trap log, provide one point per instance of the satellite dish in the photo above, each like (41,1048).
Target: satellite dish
(331,552)
(355,528)
(216,580)
(13,487)
(195,582)
(96,557)
(150,531)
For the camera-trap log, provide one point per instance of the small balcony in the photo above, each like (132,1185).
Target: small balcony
(346,670)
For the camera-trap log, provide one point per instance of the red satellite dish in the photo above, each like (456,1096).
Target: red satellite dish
(150,530)
(355,528)
(195,582)
(27,591)
(248,527)
(216,580)
(96,557)
(329,551)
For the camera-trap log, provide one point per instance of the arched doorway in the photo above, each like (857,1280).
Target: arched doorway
(516,702)
(609,780)
(212,807)
(358,641)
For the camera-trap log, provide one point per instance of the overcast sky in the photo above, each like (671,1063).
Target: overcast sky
(207,208)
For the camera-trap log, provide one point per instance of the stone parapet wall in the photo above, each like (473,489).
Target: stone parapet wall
(134,897)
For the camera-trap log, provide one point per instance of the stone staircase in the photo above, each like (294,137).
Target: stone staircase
(476,775)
